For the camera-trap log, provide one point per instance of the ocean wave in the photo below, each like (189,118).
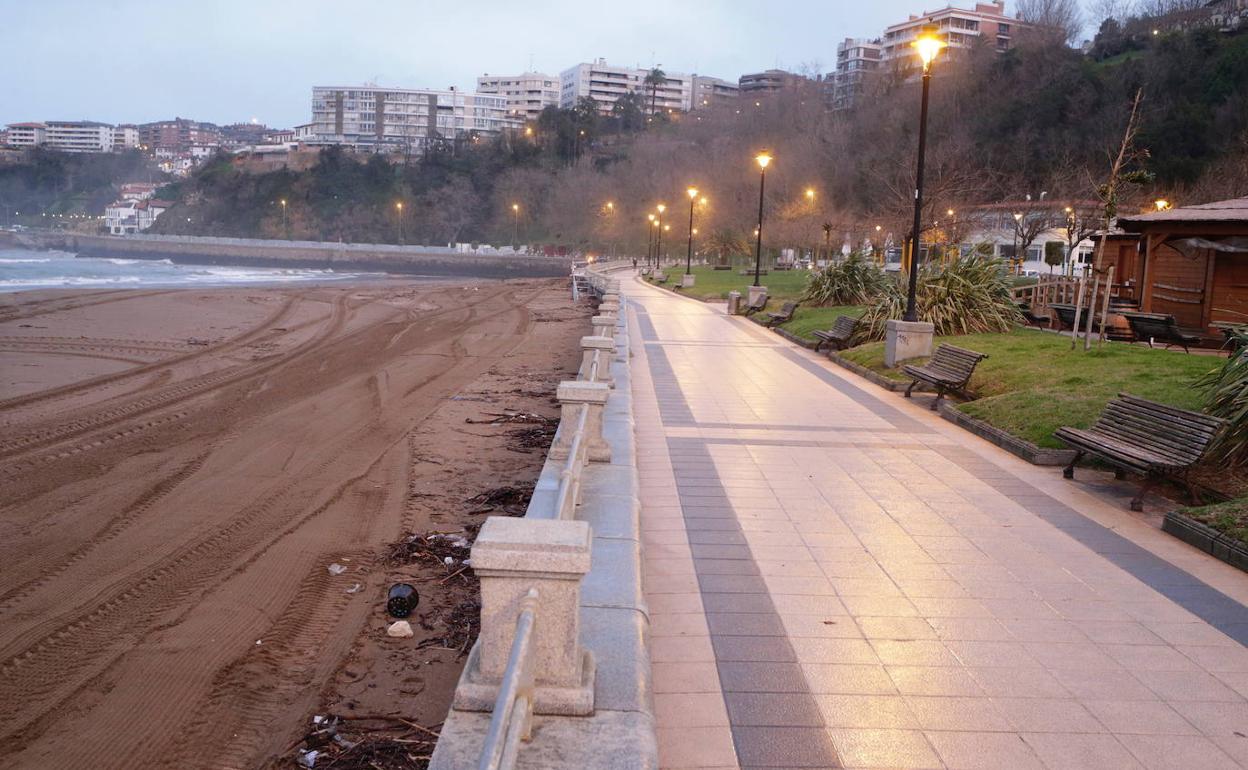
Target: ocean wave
(68,280)
(22,261)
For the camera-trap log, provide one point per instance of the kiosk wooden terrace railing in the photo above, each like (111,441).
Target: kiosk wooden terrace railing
(534,656)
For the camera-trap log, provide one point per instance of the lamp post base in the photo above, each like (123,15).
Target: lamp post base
(904,340)
(755,292)
(686,281)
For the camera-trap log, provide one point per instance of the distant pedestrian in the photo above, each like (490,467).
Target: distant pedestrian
(634,264)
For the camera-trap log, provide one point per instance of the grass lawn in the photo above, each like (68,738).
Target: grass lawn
(807,319)
(1229,518)
(1032,382)
(711,284)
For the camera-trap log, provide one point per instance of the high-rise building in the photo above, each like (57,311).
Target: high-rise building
(961,30)
(125,137)
(708,91)
(605,84)
(78,136)
(527,94)
(403,119)
(179,135)
(856,61)
(27,134)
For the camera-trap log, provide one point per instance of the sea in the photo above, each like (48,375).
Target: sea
(21,270)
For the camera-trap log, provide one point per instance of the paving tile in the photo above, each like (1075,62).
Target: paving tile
(904,628)
(934,680)
(1187,686)
(762,677)
(1018,683)
(984,751)
(843,679)
(828,627)
(696,747)
(772,709)
(884,749)
(1048,715)
(876,711)
(1102,685)
(690,710)
(846,651)
(1177,752)
(744,624)
(1216,720)
(1141,717)
(677,624)
(685,677)
(691,602)
(760,649)
(957,713)
(1067,751)
(681,649)
(916,652)
(784,747)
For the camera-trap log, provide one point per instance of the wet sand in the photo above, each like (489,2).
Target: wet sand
(179,468)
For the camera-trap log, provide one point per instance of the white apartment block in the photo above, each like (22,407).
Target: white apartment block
(709,91)
(125,138)
(27,134)
(606,84)
(961,29)
(527,94)
(403,119)
(855,61)
(79,136)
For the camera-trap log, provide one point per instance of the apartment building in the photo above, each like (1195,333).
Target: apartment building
(709,91)
(527,94)
(125,137)
(606,83)
(179,134)
(380,119)
(961,29)
(857,61)
(769,80)
(27,134)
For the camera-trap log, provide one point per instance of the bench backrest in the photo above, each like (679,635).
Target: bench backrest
(789,308)
(1179,435)
(759,302)
(955,362)
(844,326)
(1147,325)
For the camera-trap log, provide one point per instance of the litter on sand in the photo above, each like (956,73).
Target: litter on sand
(400,629)
(336,569)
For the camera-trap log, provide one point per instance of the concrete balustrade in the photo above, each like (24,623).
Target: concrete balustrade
(566,582)
(575,396)
(513,557)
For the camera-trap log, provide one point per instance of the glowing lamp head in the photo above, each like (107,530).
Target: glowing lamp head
(661,207)
(283,201)
(928,45)
(949,212)
(650,217)
(1161,204)
(515,207)
(763,159)
(878,228)
(399,205)
(693,193)
(610,206)
(704,200)
(810,193)
(1018,217)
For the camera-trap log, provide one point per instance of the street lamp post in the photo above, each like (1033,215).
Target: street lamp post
(658,243)
(693,198)
(1018,223)
(649,237)
(285,229)
(928,46)
(763,160)
(515,224)
(399,205)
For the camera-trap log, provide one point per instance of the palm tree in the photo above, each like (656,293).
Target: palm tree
(654,78)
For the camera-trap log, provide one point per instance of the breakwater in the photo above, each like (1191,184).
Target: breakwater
(413,260)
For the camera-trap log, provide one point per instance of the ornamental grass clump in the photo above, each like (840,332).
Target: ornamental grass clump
(857,280)
(970,295)
(1228,399)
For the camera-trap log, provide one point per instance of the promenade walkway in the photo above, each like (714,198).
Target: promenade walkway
(839,578)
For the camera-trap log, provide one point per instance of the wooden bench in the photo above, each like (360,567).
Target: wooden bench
(750,271)
(949,369)
(1065,316)
(721,267)
(784,316)
(1160,327)
(1144,437)
(840,333)
(661,278)
(757,305)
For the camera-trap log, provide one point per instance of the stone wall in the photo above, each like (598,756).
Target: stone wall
(415,260)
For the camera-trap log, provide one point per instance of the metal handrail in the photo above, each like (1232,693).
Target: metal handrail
(513,708)
(569,476)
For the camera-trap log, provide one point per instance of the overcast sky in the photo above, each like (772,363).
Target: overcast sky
(234,60)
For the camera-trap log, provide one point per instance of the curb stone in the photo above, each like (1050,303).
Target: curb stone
(1012,444)
(1207,539)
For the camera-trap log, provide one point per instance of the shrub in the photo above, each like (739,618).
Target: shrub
(857,280)
(970,295)
(1228,399)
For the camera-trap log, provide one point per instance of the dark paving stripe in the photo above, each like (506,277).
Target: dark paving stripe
(1176,584)
(775,720)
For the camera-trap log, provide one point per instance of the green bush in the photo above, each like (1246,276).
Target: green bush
(857,280)
(968,296)
(1228,399)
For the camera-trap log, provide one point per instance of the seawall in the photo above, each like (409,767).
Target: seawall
(417,260)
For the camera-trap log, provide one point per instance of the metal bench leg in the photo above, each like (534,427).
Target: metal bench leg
(1069,471)
(1137,504)
(1192,491)
(911,388)
(1120,474)
(940,393)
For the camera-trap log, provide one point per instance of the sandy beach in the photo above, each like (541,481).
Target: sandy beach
(180,468)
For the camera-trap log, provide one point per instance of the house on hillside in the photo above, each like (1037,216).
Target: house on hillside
(130,216)
(1190,262)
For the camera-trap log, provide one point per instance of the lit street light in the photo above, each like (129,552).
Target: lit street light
(515,224)
(1162,204)
(399,205)
(693,198)
(1018,223)
(763,159)
(658,244)
(928,46)
(285,229)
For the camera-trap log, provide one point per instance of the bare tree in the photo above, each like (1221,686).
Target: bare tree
(1060,18)
(1118,10)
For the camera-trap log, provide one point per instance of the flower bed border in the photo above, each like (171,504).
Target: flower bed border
(1207,539)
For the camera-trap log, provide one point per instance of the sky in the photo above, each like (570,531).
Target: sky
(226,61)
